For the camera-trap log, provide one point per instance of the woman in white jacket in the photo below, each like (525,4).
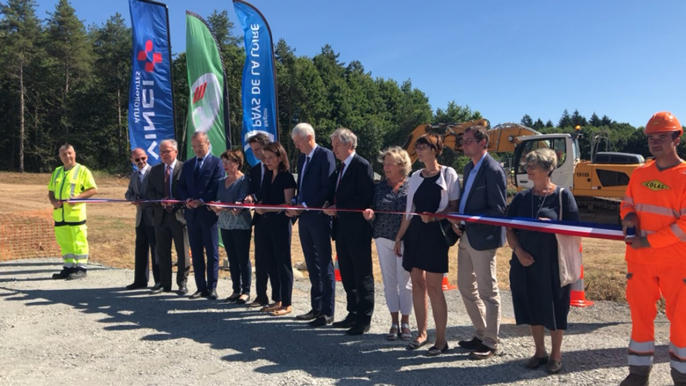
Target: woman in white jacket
(433,189)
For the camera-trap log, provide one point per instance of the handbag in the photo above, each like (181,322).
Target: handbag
(568,254)
(448,234)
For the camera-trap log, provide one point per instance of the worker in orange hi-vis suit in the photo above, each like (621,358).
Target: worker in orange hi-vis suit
(655,207)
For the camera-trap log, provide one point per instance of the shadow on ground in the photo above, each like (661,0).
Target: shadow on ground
(290,345)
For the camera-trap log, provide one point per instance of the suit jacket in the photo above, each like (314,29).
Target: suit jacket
(314,186)
(155,191)
(487,197)
(355,191)
(137,190)
(204,187)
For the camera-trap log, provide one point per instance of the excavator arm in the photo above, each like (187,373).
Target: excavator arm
(502,138)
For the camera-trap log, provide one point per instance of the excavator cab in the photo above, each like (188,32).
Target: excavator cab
(565,147)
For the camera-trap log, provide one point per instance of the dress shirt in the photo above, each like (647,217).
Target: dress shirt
(469,180)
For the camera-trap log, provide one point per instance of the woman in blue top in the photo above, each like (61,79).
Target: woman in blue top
(235,225)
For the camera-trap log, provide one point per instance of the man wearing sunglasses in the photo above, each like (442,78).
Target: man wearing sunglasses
(145,231)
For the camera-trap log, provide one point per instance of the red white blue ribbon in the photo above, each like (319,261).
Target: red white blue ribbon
(570,228)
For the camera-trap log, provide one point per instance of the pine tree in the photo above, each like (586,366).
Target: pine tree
(527,121)
(70,47)
(565,120)
(21,30)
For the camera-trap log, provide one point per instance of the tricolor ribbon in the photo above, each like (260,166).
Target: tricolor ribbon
(570,228)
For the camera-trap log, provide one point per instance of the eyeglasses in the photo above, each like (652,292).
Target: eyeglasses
(167,151)
(140,159)
(468,141)
(529,167)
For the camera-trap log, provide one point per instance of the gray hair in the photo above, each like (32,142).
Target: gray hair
(545,159)
(172,142)
(201,135)
(399,157)
(302,129)
(346,136)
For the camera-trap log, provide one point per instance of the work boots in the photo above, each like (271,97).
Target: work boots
(638,376)
(78,273)
(63,274)
(678,378)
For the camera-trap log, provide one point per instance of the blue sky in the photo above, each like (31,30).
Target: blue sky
(625,59)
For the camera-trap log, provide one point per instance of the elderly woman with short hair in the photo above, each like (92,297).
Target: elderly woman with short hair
(538,299)
(390,195)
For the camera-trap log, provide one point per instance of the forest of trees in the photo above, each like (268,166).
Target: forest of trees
(61,80)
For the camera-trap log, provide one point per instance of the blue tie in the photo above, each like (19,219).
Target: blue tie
(198,165)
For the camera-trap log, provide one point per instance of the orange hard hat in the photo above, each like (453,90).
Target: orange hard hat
(662,122)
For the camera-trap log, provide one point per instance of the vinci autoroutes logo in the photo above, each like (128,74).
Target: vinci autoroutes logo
(205,101)
(151,58)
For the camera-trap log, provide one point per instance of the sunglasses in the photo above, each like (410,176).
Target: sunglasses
(140,159)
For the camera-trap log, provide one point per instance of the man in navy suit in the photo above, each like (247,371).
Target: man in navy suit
(258,175)
(198,184)
(315,166)
(353,188)
(484,193)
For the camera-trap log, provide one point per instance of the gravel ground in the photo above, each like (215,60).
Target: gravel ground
(91,332)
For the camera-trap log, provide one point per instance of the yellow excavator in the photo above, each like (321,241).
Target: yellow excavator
(598,184)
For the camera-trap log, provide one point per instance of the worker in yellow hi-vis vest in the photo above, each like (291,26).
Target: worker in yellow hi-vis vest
(71,181)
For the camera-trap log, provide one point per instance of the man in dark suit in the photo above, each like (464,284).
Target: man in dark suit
(315,167)
(168,219)
(484,193)
(145,231)
(353,188)
(200,177)
(258,174)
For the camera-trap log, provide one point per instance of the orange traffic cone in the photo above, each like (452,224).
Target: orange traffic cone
(336,271)
(578,295)
(446,285)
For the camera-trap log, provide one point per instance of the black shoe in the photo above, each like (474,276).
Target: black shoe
(434,351)
(212,295)
(483,352)
(634,379)
(348,322)
(78,274)
(157,285)
(678,377)
(470,344)
(321,321)
(358,329)
(198,294)
(183,290)
(159,290)
(310,315)
(63,274)
(135,286)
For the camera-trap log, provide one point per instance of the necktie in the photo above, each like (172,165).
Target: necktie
(340,174)
(302,177)
(198,165)
(262,173)
(167,188)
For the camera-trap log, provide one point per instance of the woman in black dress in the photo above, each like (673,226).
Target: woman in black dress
(538,299)
(274,228)
(434,189)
